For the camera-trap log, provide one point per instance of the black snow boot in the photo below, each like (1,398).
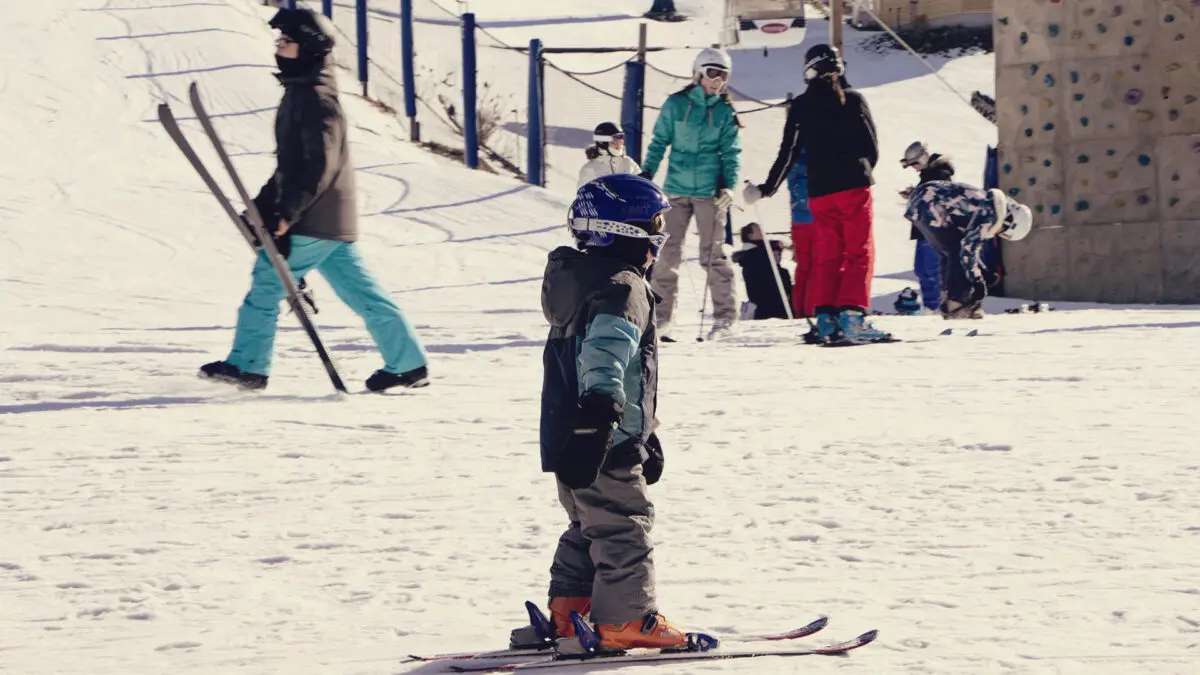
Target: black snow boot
(412,379)
(227,372)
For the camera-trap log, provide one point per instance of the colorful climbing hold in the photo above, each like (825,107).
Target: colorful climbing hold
(1144,160)
(1028,132)
(1082,159)
(1101,28)
(1074,77)
(1053,30)
(1110,152)
(1049,126)
(1083,121)
(1049,80)
(1143,200)
(1078,97)
(1024,109)
(1004,20)
(1143,115)
(1133,96)
(1047,163)
(1024,38)
(1082,205)
(1170,18)
(1039,208)
(1119,203)
(1128,40)
(1055,208)
(1007,169)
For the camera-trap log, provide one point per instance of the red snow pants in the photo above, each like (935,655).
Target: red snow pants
(803,237)
(844,252)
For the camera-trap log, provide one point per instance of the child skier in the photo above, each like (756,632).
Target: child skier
(597,425)
(925,258)
(606,155)
(761,288)
(956,219)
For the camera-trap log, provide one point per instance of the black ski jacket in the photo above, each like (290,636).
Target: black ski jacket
(839,143)
(313,184)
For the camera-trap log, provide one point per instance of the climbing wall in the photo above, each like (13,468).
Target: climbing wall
(1098,107)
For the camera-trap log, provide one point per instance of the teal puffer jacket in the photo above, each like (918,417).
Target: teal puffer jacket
(702,131)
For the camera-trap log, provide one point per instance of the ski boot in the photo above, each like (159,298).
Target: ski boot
(223,371)
(953,309)
(412,379)
(542,632)
(722,328)
(854,327)
(649,632)
(824,329)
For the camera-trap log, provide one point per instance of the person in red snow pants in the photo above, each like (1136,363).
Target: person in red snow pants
(844,251)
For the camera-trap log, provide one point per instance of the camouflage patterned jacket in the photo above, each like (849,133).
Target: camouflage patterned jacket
(945,210)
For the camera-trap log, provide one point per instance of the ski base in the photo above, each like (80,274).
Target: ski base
(539,650)
(665,657)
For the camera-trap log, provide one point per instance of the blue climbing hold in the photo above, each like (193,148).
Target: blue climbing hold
(1082,159)
(1082,205)
(1144,160)
(1055,208)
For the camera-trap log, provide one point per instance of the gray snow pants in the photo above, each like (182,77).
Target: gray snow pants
(606,552)
(718,272)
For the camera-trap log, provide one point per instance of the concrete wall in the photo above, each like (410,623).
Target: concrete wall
(900,13)
(1098,107)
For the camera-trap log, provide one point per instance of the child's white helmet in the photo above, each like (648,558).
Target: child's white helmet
(1014,220)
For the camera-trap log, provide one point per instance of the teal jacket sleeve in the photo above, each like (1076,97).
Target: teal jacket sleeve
(608,347)
(731,151)
(664,132)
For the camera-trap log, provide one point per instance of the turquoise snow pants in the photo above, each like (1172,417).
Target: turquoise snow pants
(342,266)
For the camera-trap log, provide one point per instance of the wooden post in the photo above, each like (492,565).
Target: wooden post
(836,21)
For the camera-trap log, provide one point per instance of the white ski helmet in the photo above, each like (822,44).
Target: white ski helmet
(1014,220)
(711,58)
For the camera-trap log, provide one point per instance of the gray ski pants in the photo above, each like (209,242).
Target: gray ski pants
(606,552)
(718,272)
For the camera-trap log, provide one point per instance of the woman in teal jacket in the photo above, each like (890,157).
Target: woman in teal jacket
(701,127)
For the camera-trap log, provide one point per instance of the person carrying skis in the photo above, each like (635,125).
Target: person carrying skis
(308,206)
(599,394)
(701,127)
(606,155)
(832,125)
(956,219)
(762,290)
(925,257)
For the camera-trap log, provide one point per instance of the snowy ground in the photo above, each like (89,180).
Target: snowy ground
(1023,501)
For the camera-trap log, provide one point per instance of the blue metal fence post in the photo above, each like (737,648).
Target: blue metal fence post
(361,20)
(327,8)
(631,108)
(470,116)
(534,171)
(406,65)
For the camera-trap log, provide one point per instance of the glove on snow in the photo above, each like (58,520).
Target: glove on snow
(724,199)
(652,468)
(590,441)
(751,193)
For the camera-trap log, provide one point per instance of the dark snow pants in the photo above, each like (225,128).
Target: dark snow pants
(606,551)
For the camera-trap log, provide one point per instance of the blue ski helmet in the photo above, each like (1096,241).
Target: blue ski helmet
(618,205)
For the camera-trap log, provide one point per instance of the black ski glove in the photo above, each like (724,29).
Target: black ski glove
(647,175)
(652,468)
(590,441)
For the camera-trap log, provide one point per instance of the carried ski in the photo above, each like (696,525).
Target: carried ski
(665,657)
(537,617)
(168,121)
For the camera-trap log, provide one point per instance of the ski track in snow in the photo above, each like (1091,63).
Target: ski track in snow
(1019,502)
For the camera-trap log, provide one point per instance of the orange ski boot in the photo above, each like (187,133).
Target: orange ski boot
(560,612)
(543,630)
(651,632)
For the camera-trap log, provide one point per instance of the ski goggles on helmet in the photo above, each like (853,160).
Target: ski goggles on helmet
(713,73)
(283,41)
(601,138)
(651,230)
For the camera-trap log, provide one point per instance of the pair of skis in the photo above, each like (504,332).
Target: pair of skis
(700,647)
(257,229)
